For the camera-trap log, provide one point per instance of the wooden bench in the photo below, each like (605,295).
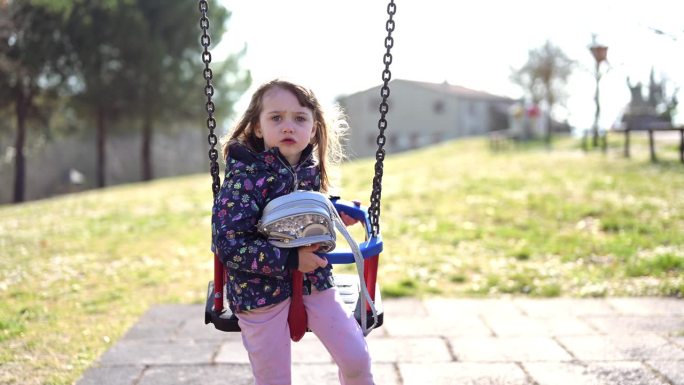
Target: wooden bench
(651,128)
(500,139)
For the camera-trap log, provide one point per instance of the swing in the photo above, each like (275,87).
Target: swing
(348,285)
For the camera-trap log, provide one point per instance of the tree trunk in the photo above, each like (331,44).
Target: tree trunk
(146,154)
(101,140)
(21,107)
(549,128)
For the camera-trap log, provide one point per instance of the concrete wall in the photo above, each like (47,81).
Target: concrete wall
(52,166)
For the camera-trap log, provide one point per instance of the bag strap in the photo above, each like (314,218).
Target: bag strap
(364,296)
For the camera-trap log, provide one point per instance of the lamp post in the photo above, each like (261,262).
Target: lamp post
(600,53)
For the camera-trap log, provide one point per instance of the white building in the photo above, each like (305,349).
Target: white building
(421,114)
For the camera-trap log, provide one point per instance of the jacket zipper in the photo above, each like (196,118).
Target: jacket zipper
(292,171)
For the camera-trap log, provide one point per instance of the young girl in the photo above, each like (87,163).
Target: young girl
(282,143)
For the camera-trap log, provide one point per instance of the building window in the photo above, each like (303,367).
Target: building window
(374,105)
(472,108)
(437,137)
(438,107)
(414,140)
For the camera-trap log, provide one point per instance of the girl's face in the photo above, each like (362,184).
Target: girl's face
(285,124)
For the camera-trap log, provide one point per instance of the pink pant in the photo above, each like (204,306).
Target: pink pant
(266,337)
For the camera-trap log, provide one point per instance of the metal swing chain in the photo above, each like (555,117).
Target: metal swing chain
(209,92)
(374,209)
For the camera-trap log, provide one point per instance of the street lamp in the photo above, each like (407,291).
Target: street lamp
(600,53)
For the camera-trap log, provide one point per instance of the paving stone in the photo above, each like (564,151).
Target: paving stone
(594,373)
(625,373)
(318,374)
(508,349)
(637,324)
(302,374)
(162,322)
(436,341)
(563,307)
(622,348)
(672,370)
(172,313)
(648,306)
(308,350)
(154,324)
(232,352)
(111,375)
(465,325)
(463,373)
(385,374)
(139,352)
(380,332)
(425,349)
(456,308)
(527,326)
(197,375)
(195,328)
(678,339)
(310,374)
(150,331)
(404,307)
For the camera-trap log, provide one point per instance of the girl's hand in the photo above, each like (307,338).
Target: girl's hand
(308,261)
(347,220)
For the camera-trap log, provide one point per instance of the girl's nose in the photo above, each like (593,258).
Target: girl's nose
(288,128)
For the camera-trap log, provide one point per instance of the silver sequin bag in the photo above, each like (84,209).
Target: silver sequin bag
(298,219)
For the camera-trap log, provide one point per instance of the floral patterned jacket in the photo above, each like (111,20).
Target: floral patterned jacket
(258,273)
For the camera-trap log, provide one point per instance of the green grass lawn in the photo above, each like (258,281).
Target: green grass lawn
(457,220)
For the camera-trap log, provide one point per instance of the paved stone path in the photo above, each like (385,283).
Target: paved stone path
(621,341)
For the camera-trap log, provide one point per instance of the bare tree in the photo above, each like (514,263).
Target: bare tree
(544,77)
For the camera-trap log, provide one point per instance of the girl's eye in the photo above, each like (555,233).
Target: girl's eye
(275,118)
(301,119)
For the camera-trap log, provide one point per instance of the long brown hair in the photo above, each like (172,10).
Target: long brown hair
(327,147)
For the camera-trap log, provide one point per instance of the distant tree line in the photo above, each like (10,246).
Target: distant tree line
(100,65)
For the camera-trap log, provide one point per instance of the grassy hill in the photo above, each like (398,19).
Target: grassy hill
(457,220)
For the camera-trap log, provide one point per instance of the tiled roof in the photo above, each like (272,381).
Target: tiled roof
(455,90)
(447,88)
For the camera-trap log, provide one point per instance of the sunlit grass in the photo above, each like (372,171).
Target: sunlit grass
(457,220)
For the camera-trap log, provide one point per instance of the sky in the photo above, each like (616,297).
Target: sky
(336,47)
